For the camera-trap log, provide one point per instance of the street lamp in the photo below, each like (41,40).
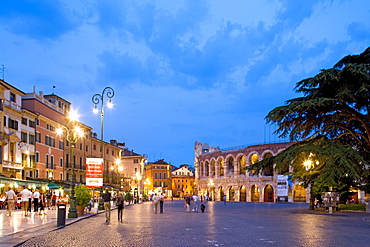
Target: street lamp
(96,99)
(72,136)
(309,164)
(137,178)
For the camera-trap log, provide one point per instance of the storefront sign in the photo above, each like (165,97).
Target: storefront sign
(94,172)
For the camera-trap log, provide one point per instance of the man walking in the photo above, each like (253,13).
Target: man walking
(36,196)
(196,203)
(26,195)
(155,202)
(10,198)
(107,198)
(161,201)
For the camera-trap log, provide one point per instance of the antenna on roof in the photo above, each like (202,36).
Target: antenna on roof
(3,71)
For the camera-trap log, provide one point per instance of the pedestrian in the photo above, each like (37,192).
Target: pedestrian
(155,202)
(187,203)
(120,205)
(26,195)
(196,203)
(36,196)
(205,199)
(53,201)
(42,204)
(107,198)
(90,205)
(10,198)
(224,199)
(161,201)
(48,199)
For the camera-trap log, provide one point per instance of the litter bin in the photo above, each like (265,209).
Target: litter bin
(61,214)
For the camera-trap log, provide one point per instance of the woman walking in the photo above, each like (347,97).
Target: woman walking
(120,205)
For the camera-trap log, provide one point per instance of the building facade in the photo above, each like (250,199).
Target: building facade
(158,175)
(183,179)
(220,173)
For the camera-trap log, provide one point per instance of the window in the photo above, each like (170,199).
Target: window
(164,175)
(31,139)
(61,145)
(4,121)
(160,175)
(36,173)
(32,124)
(61,176)
(37,121)
(164,184)
(67,160)
(52,162)
(24,137)
(12,97)
(38,137)
(155,175)
(178,186)
(112,152)
(107,151)
(136,160)
(135,169)
(13,124)
(87,148)
(37,157)
(61,162)
(24,121)
(94,147)
(47,161)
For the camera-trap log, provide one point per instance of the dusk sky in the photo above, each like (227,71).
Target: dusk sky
(182,71)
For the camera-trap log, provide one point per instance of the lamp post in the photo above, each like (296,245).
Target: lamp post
(96,99)
(308,164)
(72,136)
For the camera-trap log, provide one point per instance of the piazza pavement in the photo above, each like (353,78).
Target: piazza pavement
(230,224)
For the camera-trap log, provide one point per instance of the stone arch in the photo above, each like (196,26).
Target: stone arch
(255,193)
(241,164)
(269,171)
(231,193)
(221,170)
(268,194)
(212,168)
(220,193)
(299,193)
(252,159)
(230,165)
(242,194)
(212,194)
(206,169)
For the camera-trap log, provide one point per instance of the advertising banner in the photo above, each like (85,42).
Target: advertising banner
(282,185)
(94,172)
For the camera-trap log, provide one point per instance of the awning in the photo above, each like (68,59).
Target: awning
(20,182)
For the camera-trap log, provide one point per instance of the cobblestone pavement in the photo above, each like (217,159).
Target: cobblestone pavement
(233,224)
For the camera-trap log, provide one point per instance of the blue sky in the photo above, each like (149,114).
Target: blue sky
(182,71)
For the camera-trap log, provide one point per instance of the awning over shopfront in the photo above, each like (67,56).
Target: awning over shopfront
(51,184)
(5,181)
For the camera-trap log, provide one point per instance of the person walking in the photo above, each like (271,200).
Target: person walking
(26,195)
(161,201)
(10,198)
(224,199)
(42,204)
(155,202)
(48,199)
(53,201)
(120,205)
(36,196)
(196,203)
(187,203)
(107,198)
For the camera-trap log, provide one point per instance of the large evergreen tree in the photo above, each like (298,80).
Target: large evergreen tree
(330,124)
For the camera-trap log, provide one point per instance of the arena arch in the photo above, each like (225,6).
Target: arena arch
(299,193)
(231,193)
(242,194)
(220,193)
(253,158)
(221,167)
(270,168)
(268,194)
(255,193)
(241,164)
(212,168)
(230,165)
(206,166)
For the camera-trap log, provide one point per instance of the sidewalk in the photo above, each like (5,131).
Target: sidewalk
(17,228)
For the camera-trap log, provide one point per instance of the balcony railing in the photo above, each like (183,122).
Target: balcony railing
(50,166)
(12,105)
(77,167)
(11,164)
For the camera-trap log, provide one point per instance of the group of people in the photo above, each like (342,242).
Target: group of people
(195,200)
(158,199)
(28,199)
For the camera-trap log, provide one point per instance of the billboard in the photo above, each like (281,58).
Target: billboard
(94,172)
(282,185)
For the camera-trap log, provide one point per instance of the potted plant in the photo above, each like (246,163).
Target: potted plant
(83,197)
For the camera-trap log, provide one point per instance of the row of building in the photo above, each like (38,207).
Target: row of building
(34,154)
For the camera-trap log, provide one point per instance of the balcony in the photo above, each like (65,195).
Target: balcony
(77,167)
(50,166)
(11,164)
(12,105)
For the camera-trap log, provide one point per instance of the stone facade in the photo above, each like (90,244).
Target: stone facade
(220,173)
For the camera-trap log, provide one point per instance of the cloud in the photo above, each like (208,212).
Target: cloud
(38,20)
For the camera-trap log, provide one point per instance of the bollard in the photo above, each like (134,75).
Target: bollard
(61,214)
